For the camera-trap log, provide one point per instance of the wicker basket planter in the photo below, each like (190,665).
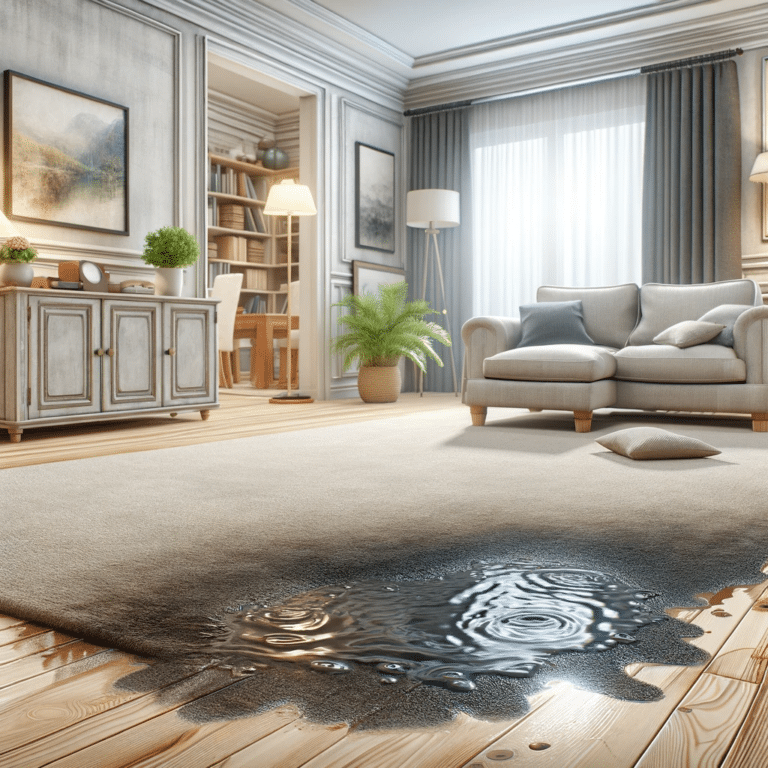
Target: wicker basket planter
(379,383)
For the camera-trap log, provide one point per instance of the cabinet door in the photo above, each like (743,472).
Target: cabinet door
(65,355)
(189,354)
(132,365)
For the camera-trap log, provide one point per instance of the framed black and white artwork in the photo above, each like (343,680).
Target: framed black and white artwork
(66,156)
(374,198)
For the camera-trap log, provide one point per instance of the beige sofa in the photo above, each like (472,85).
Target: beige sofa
(624,367)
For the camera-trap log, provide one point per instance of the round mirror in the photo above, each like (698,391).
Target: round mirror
(90,272)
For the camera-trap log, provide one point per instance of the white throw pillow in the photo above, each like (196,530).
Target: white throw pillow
(689,333)
(653,443)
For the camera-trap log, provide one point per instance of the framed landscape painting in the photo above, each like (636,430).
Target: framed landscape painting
(374,198)
(66,156)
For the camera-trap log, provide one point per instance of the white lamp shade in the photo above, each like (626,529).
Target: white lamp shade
(432,208)
(288,197)
(759,170)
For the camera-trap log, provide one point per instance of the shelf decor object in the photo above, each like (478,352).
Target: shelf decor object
(15,255)
(63,150)
(433,210)
(289,199)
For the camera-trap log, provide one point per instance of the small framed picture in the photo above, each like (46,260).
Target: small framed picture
(374,198)
(66,157)
(366,278)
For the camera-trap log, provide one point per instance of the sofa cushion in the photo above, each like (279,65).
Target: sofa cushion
(610,312)
(665,364)
(554,362)
(727,314)
(557,322)
(654,443)
(663,305)
(689,333)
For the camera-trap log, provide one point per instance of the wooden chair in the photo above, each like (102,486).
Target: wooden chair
(226,288)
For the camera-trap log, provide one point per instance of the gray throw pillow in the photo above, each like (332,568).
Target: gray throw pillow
(553,322)
(689,333)
(653,443)
(726,314)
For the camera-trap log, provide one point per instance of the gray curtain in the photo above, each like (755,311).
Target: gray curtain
(692,181)
(439,159)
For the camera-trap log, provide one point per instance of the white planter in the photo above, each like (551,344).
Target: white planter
(169,281)
(16,273)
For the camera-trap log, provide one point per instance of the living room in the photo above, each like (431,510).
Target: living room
(264,514)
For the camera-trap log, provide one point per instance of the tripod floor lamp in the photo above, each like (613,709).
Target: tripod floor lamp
(433,210)
(289,199)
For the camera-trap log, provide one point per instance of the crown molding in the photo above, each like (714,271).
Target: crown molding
(526,70)
(277,40)
(358,33)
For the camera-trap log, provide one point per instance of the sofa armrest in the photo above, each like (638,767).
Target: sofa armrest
(486,336)
(750,343)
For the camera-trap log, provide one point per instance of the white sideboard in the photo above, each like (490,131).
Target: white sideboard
(74,356)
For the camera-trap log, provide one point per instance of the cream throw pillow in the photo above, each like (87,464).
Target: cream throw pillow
(653,443)
(688,333)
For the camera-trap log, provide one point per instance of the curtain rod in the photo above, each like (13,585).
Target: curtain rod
(680,63)
(692,62)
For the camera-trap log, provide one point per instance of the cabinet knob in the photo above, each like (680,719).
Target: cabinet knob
(100,352)
(111,352)
(171,352)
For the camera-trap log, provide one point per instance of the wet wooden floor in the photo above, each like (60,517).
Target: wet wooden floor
(59,705)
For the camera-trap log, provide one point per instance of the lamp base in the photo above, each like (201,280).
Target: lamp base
(295,398)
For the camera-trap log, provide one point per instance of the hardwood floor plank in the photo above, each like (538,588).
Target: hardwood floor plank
(20,631)
(700,731)
(170,741)
(750,750)
(44,661)
(128,717)
(289,747)
(39,640)
(744,656)
(586,729)
(47,703)
(9,621)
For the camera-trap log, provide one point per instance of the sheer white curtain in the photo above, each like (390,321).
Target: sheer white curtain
(557,186)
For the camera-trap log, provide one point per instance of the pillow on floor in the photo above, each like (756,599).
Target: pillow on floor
(653,443)
(553,322)
(689,333)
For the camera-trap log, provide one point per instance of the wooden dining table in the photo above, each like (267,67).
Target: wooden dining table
(262,330)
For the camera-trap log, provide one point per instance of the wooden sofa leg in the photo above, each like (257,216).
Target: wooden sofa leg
(535,410)
(478,415)
(760,422)
(582,420)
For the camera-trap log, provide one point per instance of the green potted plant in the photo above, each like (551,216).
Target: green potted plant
(15,256)
(169,250)
(380,329)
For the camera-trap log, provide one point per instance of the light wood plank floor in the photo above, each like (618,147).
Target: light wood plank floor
(59,705)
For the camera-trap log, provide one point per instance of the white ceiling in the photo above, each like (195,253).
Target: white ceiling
(428,27)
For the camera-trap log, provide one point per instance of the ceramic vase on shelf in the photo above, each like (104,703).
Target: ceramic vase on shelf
(16,273)
(275,159)
(169,281)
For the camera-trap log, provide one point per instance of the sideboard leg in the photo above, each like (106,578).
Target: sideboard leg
(15,434)
(204,415)
(760,422)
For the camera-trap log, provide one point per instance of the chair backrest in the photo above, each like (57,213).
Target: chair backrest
(226,288)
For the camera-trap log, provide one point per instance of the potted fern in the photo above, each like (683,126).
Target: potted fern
(380,329)
(169,250)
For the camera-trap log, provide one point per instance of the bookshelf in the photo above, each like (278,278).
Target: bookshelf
(242,239)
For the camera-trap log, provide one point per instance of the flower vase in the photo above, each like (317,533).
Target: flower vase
(16,273)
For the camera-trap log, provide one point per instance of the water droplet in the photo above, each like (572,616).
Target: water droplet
(388,680)
(622,637)
(720,613)
(685,709)
(330,667)
(538,746)
(500,754)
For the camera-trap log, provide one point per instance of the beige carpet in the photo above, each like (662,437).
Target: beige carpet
(135,550)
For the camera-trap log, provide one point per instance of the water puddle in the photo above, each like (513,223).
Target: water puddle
(493,619)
